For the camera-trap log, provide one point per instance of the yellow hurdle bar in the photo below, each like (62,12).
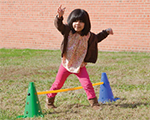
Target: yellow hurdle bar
(64,90)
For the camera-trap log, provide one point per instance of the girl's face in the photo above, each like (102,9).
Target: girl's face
(78,26)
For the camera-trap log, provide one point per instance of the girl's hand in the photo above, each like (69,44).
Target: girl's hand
(61,11)
(109,31)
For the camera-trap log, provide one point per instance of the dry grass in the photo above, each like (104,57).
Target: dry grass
(128,74)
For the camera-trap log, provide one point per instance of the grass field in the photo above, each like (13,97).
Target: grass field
(128,74)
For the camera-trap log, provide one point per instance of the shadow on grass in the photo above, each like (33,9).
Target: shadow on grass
(133,105)
(71,108)
(75,108)
(128,105)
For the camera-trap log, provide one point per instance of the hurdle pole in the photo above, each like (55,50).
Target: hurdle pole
(68,89)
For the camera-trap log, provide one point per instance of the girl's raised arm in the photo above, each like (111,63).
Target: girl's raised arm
(61,11)
(102,35)
(58,20)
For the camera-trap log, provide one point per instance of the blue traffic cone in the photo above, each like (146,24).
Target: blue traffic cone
(106,94)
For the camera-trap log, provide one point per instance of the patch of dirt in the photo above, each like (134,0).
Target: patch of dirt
(11,73)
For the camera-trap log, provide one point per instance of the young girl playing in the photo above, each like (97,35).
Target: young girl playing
(79,47)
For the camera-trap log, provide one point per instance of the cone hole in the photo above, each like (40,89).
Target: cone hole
(28,94)
(26,112)
(27,103)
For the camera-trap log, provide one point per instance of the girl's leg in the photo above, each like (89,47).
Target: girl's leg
(86,83)
(59,81)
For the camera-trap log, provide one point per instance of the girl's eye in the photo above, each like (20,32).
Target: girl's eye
(78,21)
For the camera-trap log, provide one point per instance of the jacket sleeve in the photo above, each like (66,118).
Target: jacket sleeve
(59,24)
(102,35)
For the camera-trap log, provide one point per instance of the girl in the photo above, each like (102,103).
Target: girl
(79,47)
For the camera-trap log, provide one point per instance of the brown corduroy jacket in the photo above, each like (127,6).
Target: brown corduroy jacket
(92,50)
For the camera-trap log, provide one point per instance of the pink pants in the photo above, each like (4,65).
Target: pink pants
(82,76)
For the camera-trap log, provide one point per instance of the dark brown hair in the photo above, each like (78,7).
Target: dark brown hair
(82,15)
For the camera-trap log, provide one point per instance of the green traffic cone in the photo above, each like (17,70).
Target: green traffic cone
(32,106)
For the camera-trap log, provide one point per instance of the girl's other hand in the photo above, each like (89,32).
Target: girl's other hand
(61,11)
(109,31)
